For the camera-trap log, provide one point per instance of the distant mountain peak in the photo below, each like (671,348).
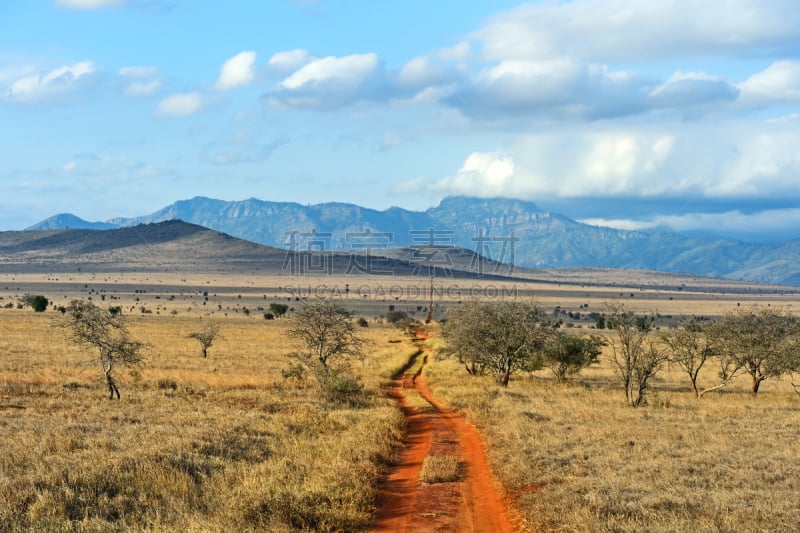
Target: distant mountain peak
(68,220)
(502,229)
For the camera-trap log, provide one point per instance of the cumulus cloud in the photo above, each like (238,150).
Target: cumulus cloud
(619,30)
(558,87)
(780,82)
(326,82)
(140,81)
(343,72)
(483,174)
(290,60)
(41,86)
(181,104)
(88,4)
(744,160)
(236,71)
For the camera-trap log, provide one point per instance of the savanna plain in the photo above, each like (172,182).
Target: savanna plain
(232,442)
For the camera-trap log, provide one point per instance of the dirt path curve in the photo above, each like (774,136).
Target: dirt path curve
(405,504)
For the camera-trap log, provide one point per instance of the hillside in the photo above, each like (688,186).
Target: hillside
(508,231)
(177,246)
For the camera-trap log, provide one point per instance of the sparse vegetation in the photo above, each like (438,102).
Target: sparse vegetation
(573,458)
(206,337)
(636,357)
(260,455)
(328,343)
(88,325)
(761,342)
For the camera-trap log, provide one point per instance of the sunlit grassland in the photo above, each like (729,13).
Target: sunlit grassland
(576,458)
(216,444)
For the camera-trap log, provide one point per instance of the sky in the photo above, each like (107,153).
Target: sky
(673,114)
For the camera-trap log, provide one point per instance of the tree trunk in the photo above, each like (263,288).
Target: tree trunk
(756,383)
(112,387)
(505,377)
(694,388)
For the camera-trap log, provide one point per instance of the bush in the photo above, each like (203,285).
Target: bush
(392,317)
(39,303)
(363,322)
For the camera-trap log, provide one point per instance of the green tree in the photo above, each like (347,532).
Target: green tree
(762,342)
(566,354)
(38,302)
(278,310)
(500,337)
(97,328)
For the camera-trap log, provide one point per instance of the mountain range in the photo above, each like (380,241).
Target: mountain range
(505,230)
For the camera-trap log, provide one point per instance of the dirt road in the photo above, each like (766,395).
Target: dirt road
(471,504)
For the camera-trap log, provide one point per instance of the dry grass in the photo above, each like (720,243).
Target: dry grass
(441,469)
(217,444)
(576,458)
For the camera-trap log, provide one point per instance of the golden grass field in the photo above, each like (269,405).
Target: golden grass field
(574,457)
(226,444)
(216,444)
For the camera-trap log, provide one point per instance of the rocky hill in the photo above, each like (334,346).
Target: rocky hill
(505,230)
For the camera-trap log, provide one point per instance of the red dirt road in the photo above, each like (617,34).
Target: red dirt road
(470,505)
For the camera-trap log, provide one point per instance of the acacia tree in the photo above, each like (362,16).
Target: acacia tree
(206,337)
(566,354)
(762,342)
(689,348)
(635,356)
(98,328)
(500,337)
(328,340)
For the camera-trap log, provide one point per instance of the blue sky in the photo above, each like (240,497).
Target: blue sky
(637,114)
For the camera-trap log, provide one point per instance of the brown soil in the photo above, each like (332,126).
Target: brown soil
(471,504)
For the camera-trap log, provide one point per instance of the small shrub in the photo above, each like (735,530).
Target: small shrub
(393,317)
(166,383)
(363,322)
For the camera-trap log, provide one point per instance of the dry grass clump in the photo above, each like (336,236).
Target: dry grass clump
(216,444)
(576,458)
(441,469)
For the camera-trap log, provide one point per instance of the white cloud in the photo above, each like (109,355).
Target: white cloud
(181,104)
(140,81)
(460,52)
(613,30)
(684,89)
(559,87)
(741,159)
(731,224)
(343,72)
(290,60)
(88,4)
(236,71)
(483,174)
(41,86)
(780,82)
